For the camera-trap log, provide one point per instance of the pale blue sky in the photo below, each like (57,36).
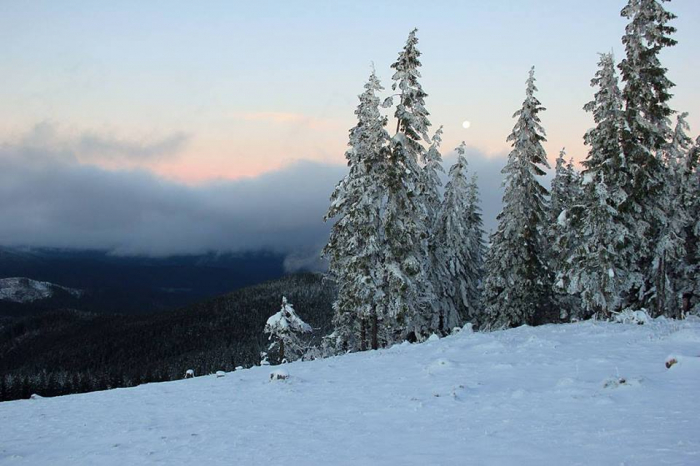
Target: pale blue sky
(255,85)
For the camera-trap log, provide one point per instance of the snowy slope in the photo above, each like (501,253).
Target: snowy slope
(26,290)
(528,396)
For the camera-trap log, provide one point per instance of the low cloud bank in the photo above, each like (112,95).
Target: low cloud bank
(49,199)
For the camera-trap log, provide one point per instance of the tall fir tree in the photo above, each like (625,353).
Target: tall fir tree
(410,299)
(671,255)
(647,130)
(476,251)
(564,197)
(454,241)
(600,267)
(437,267)
(690,283)
(517,288)
(356,246)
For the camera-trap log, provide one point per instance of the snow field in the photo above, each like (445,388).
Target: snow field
(585,393)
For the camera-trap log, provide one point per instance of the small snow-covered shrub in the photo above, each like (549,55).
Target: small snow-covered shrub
(220,373)
(284,329)
(614,382)
(189,374)
(628,316)
(279,374)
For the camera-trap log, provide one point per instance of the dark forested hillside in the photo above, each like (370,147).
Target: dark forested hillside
(69,351)
(131,285)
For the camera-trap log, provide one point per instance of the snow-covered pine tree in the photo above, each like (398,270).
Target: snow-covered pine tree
(284,329)
(564,195)
(477,250)
(355,248)
(430,182)
(429,188)
(600,266)
(647,130)
(517,288)
(670,253)
(691,283)
(452,243)
(410,298)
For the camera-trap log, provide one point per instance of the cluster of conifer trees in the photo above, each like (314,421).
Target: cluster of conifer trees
(410,261)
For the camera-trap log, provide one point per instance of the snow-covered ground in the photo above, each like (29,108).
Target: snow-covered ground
(590,393)
(26,290)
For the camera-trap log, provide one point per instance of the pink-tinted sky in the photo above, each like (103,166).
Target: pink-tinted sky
(208,90)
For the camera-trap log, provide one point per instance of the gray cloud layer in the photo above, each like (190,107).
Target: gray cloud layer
(48,199)
(93,146)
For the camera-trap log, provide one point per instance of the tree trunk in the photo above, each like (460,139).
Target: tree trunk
(281,351)
(363,334)
(375,342)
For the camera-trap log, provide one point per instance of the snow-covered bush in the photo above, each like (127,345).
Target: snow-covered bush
(279,374)
(628,316)
(189,374)
(284,329)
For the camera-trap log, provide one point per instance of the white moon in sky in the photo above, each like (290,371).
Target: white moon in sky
(466,124)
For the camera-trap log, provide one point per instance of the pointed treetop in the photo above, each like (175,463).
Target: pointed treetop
(560,159)
(461,163)
(531,88)
(461,149)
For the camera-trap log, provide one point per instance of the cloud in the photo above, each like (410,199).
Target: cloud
(288,118)
(91,146)
(49,199)
(95,146)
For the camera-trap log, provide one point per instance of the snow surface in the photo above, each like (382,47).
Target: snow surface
(26,290)
(586,393)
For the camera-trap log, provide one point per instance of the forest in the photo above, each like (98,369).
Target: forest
(68,351)
(619,236)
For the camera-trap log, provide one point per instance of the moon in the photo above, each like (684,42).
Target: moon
(466,124)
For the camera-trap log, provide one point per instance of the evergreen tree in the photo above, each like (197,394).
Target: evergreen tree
(477,249)
(410,299)
(690,283)
(430,182)
(453,245)
(355,249)
(599,267)
(647,130)
(564,197)
(437,270)
(517,288)
(284,329)
(671,255)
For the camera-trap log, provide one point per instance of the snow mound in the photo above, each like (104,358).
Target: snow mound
(440,365)
(279,374)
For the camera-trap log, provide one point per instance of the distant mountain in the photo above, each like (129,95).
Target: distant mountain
(130,285)
(25,290)
(68,351)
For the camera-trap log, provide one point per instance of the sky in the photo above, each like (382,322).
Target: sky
(122,121)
